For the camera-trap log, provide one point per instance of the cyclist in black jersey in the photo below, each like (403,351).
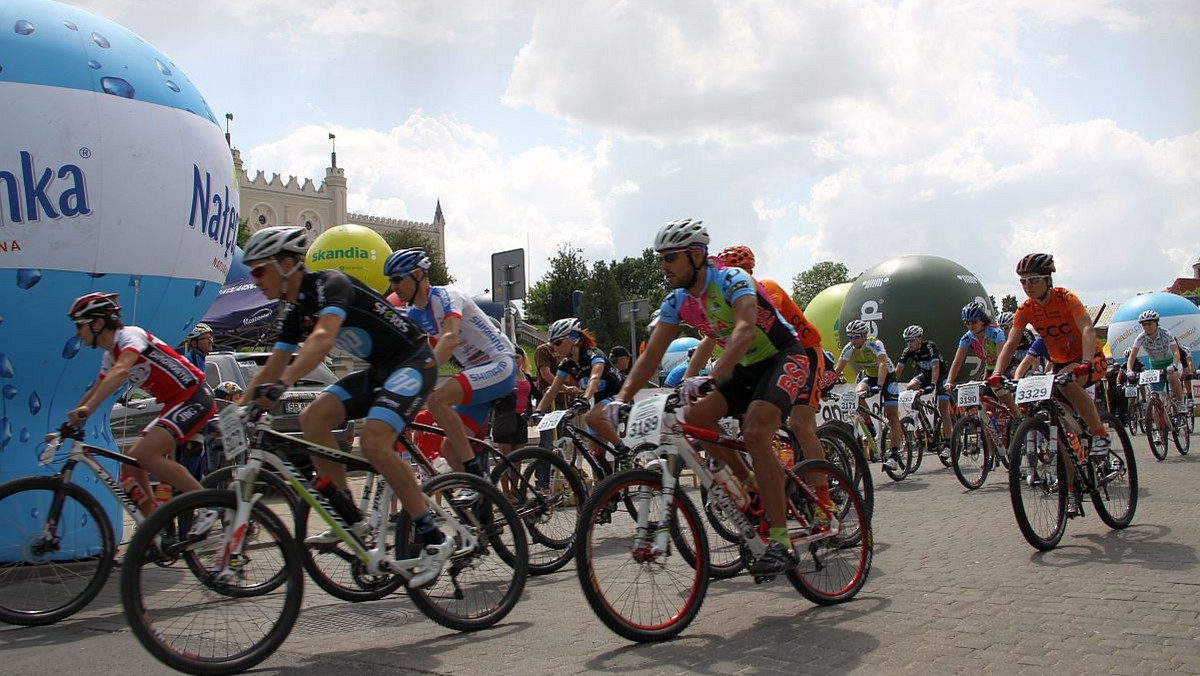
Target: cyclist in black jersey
(1005,322)
(330,308)
(929,368)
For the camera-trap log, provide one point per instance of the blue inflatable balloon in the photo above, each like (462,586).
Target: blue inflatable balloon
(114,176)
(1176,314)
(677,352)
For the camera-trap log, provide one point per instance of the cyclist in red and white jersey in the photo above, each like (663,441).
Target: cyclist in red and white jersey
(133,355)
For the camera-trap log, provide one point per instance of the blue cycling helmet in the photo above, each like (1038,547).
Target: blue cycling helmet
(405,261)
(974,311)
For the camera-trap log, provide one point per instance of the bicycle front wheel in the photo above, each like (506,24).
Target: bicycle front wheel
(548,494)
(1115,488)
(45,579)
(480,584)
(1039,498)
(834,559)
(1180,434)
(640,591)
(211,616)
(969,453)
(1156,430)
(842,437)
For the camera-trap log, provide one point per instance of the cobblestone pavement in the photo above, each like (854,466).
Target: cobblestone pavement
(954,589)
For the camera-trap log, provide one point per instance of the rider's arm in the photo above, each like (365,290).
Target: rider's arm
(745,314)
(1008,349)
(316,346)
(447,340)
(106,386)
(644,367)
(881,368)
(1026,363)
(1175,354)
(1133,353)
(548,397)
(594,379)
(1087,336)
(700,357)
(960,355)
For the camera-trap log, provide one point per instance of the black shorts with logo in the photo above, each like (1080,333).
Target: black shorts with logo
(185,417)
(781,380)
(392,395)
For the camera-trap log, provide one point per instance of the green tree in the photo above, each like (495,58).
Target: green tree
(243,232)
(599,309)
(816,279)
(640,277)
(1008,303)
(409,239)
(995,305)
(550,297)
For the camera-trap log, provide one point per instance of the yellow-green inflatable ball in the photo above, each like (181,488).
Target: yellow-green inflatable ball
(355,250)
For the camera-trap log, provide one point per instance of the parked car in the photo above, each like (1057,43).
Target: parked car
(136,409)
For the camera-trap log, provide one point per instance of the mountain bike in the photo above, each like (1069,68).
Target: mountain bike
(58,542)
(241,596)
(853,407)
(646,578)
(923,423)
(1135,408)
(1163,416)
(1046,452)
(979,441)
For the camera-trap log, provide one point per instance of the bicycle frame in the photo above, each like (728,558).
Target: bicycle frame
(81,453)
(567,428)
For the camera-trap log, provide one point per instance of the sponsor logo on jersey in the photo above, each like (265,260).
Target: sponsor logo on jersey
(405,382)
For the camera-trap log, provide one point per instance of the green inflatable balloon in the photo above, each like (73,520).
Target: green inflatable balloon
(925,290)
(823,312)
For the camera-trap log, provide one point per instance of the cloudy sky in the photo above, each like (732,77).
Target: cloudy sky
(819,130)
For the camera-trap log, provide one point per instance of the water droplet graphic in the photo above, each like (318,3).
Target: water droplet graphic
(6,369)
(162,68)
(116,86)
(93,64)
(5,433)
(35,403)
(23,27)
(1,319)
(10,391)
(199,288)
(34,512)
(71,347)
(71,25)
(28,277)
(172,86)
(24,436)
(101,40)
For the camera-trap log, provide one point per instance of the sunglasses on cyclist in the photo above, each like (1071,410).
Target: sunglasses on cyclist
(855,336)
(1028,281)
(670,256)
(259,270)
(912,340)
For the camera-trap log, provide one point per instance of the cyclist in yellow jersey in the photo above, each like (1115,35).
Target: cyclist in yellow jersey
(869,357)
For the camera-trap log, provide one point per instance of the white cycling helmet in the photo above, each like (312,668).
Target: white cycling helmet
(857,327)
(1005,320)
(275,241)
(681,234)
(1148,316)
(562,328)
(913,332)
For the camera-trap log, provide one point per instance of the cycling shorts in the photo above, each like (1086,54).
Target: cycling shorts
(925,379)
(891,389)
(184,418)
(810,389)
(1098,364)
(778,380)
(1163,363)
(392,396)
(483,386)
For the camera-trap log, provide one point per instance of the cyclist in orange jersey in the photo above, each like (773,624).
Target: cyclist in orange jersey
(1070,338)
(803,418)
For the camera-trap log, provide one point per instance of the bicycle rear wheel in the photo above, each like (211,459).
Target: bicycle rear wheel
(839,435)
(1156,429)
(1133,416)
(639,593)
(1039,498)
(1180,434)
(479,585)
(548,494)
(1115,488)
(189,618)
(725,558)
(43,581)
(969,453)
(833,566)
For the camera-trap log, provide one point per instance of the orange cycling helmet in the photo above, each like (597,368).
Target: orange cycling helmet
(738,257)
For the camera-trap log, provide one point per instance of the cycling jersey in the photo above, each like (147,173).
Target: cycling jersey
(1027,338)
(1157,348)
(159,370)
(923,358)
(865,359)
(479,342)
(1038,349)
(808,334)
(371,328)
(712,313)
(611,378)
(986,348)
(1055,323)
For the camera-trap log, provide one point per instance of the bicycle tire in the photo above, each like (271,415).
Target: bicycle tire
(275,493)
(899,473)
(550,537)
(23,527)
(1034,488)
(970,455)
(837,432)
(725,558)
(1180,434)
(338,571)
(1156,430)
(1133,416)
(914,444)
(600,551)
(1115,488)
(1190,412)
(144,584)
(834,569)
(453,598)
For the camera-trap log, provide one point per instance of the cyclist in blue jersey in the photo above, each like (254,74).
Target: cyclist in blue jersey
(199,345)
(1035,359)
(329,308)
(458,329)
(983,340)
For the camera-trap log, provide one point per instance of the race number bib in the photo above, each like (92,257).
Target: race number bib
(645,421)
(907,397)
(968,394)
(233,432)
(1034,388)
(551,420)
(1149,377)
(1131,391)
(848,403)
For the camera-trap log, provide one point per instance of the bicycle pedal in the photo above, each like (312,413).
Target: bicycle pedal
(761,579)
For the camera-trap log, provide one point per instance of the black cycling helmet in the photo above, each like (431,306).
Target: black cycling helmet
(1037,263)
(619,351)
